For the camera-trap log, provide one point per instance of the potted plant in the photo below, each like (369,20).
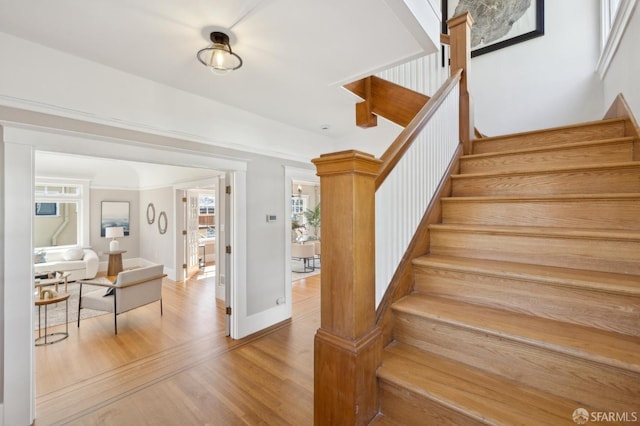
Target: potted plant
(313,219)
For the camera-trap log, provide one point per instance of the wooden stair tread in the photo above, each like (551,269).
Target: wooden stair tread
(552,197)
(482,396)
(557,329)
(547,148)
(592,280)
(570,169)
(605,234)
(613,349)
(550,130)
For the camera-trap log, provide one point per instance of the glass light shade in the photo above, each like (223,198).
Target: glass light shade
(218,56)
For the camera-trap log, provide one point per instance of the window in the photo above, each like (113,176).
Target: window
(609,10)
(207,215)
(298,204)
(207,204)
(46,209)
(615,14)
(60,214)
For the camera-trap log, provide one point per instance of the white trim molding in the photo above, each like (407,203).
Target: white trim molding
(616,31)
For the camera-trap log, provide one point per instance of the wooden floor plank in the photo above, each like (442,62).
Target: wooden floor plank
(180,368)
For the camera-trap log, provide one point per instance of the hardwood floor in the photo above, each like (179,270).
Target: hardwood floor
(179,368)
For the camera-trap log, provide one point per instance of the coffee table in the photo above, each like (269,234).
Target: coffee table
(42,282)
(46,338)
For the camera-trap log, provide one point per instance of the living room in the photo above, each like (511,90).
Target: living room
(144,191)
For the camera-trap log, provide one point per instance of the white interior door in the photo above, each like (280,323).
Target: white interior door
(192,233)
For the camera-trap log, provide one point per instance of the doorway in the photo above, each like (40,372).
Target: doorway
(204,216)
(19,146)
(310,186)
(306,223)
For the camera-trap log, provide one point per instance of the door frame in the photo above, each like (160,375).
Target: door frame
(292,174)
(17,149)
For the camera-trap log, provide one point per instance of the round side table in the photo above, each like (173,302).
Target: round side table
(49,338)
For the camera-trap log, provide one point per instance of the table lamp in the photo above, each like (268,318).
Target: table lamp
(113,233)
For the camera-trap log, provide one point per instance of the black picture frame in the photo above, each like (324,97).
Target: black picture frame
(532,31)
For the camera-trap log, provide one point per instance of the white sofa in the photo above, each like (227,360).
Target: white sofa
(81,264)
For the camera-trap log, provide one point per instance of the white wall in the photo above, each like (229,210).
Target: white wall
(544,82)
(73,87)
(153,246)
(18,384)
(130,242)
(2,275)
(265,274)
(623,75)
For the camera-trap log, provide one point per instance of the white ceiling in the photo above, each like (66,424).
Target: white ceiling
(297,53)
(118,174)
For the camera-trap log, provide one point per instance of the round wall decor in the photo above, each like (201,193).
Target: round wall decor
(162,222)
(151,213)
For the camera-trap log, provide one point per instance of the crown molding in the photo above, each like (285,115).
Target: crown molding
(56,110)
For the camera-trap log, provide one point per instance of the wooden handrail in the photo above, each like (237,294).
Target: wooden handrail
(394,153)
(386,99)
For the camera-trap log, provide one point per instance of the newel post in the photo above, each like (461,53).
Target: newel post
(460,39)
(348,344)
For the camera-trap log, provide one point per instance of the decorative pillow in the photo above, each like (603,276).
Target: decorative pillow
(40,257)
(110,290)
(73,254)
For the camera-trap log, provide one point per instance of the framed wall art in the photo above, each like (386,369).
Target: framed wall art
(114,213)
(162,223)
(498,23)
(151,213)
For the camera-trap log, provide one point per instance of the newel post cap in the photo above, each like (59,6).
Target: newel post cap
(351,161)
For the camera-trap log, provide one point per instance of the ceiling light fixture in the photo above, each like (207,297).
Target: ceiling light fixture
(218,56)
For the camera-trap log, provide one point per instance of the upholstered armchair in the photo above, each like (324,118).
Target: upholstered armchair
(132,289)
(306,252)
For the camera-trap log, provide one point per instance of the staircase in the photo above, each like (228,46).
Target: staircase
(528,305)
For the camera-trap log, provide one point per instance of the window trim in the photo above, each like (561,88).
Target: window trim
(612,31)
(82,199)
